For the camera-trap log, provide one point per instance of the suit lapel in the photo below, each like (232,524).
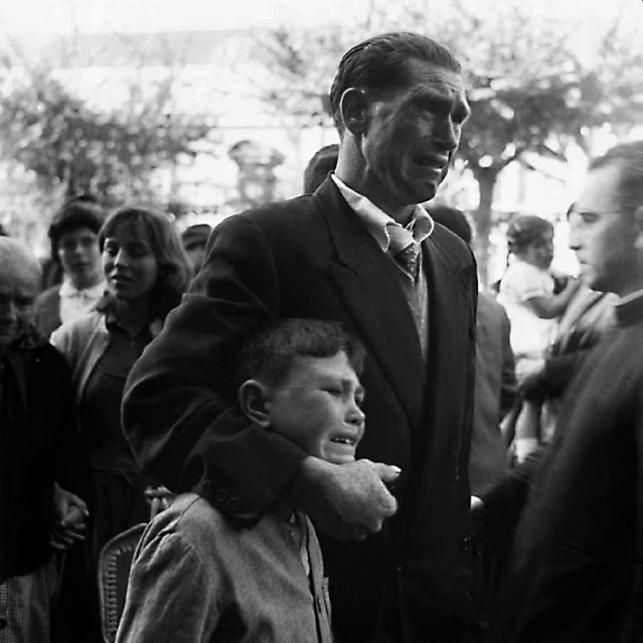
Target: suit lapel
(367,284)
(451,334)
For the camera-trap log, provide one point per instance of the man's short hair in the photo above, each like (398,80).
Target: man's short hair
(269,353)
(196,235)
(629,157)
(80,212)
(323,161)
(379,64)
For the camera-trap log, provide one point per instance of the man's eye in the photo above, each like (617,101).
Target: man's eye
(333,391)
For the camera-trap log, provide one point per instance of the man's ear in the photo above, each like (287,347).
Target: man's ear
(638,224)
(353,107)
(253,400)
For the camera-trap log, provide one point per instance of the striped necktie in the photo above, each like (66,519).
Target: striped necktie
(404,249)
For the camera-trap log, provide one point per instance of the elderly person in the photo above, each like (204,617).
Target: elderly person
(38,456)
(74,248)
(362,251)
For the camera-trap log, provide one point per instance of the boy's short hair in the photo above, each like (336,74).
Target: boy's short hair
(268,354)
(79,212)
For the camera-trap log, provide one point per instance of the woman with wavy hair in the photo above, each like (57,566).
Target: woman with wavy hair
(146,272)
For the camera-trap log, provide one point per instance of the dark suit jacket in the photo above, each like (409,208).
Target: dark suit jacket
(47,310)
(312,257)
(495,393)
(576,567)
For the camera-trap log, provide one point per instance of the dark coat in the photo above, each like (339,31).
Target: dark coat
(495,392)
(312,257)
(576,568)
(37,447)
(47,310)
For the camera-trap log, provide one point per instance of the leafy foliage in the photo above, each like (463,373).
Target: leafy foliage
(66,143)
(532,87)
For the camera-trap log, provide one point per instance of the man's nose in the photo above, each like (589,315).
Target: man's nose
(354,414)
(447,134)
(574,241)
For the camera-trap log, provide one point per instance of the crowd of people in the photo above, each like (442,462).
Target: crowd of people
(331,434)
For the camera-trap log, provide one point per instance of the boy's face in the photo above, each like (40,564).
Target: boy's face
(319,407)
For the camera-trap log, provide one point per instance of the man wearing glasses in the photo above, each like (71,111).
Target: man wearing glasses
(576,567)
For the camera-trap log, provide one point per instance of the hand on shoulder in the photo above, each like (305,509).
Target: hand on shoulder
(347,501)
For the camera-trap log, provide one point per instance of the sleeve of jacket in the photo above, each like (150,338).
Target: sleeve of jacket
(70,455)
(508,384)
(179,410)
(633,627)
(504,503)
(171,595)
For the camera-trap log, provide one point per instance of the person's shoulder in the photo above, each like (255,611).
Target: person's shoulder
(519,272)
(39,351)
(452,244)
(275,213)
(76,332)
(488,304)
(86,322)
(190,517)
(48,296)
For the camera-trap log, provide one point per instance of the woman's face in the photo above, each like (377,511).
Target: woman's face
(129,263)
(540,252)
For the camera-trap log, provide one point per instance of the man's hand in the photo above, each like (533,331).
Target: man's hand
(346,501)
(71,513)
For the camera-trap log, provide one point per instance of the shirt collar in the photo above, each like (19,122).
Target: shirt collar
(67,289)
(633,296)
(106,306)
(421,224)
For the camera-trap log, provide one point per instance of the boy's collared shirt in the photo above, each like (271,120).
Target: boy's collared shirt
(75,302)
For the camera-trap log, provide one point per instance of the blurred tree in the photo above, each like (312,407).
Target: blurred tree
(533,88)
(72,148)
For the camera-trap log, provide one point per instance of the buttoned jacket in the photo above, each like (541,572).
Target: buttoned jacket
(312,257)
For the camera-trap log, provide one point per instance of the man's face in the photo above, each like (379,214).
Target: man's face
(318,407)
(18,290)
(411,136)
(602,232)
(196,255)
(80,257)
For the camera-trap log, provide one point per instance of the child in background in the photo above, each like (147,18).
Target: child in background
(533,302)
(198,575)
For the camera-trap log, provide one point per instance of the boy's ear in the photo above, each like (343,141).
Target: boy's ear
(253,400)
